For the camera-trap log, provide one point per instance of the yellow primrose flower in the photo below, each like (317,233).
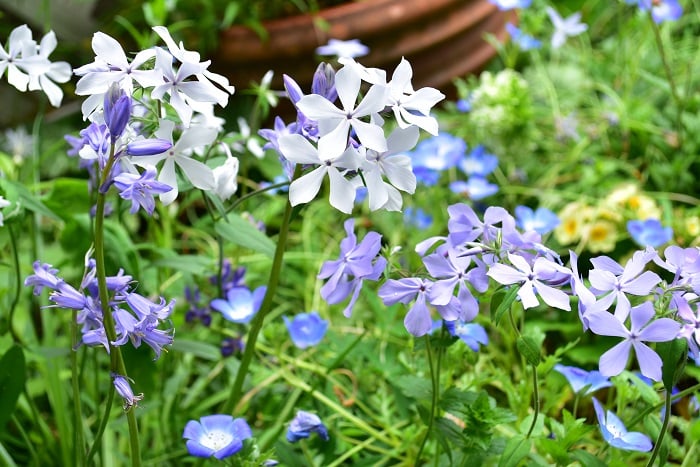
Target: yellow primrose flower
(600,236)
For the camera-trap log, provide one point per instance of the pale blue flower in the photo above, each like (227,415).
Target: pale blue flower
(521,39)
(582,381)
(305,423)
(216,435)
(472,334)
(615,433)
(350,48)
(475,187)
(306,329)
(240,304)
(563,28)
(542,220)
(649,232)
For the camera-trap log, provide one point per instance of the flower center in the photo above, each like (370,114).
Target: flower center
(216,440)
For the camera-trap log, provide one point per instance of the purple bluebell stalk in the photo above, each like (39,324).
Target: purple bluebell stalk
(140,189)
(123,387)
(219,436)
(305,423)
(306,329)
(117,111)
(148,147)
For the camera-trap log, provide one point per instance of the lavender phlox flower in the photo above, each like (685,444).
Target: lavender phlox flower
(649,232)
(464,226)
(472,334)
(298,149)
(417,321)
(343,48)
(541,220)
(608,276)
(505,5)
(220,436)
(533,280)
(306,329)
(303,424)
(586,299)
(478,162)
(690,325)
(582,381)
(180,154)
(684,263)
(356,262)
(123,388)
(643,328)
(272,135)
(453,271)
(44,276)
(615,433)
(521,39)
(335,123)
(393,165)
(241,304)
(140,189)
(563,28)
(412,107)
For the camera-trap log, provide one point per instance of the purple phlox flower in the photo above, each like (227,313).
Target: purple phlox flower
(690,325)
(140,189)
(541,220)
(563,28)
(644,328)
(649,232)
(271,135)
(355,263)
(684,263)
(472,334)
(306,329)
(305,423)
(240,304)
(521,39)
(334,123)
(464,226)
(615,433)
(505,5)
(417,321)
(582,381)
(439,153)
(450,271)
(475,187)
(350,48)
(216,435)
(232,345)
(417,218)
(535,279)
(478,162)
(609,276)
(123,387)
(586,299)
(44,276)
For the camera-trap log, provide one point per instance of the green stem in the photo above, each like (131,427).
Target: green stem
(78,442)
(103,424)
(265,308)
(536,402)
(664,429)
(433,402)
(18,283)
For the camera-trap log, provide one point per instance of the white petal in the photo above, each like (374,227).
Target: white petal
(305,188)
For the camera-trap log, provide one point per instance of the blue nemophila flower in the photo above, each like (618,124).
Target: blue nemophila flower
(240,304)
(582,380)
(417,218)
(661,10)
(478,162)
(643,328)
(521,39)
(563,28)
(216,435)
(351,48)
(305,423)
(649,232)
(475,187)
(306,329)
(541,220)
(123,388)
(505,5)
(140,189)
(615,433)
(472,334)
(439,153)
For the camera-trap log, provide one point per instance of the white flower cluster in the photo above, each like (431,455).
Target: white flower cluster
(28,65)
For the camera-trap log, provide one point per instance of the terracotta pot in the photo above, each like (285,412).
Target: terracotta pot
(442,39)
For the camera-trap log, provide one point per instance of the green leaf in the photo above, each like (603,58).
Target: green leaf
(415,387)
(674,355)
(528,348)
(241,232)
(501,302)
(198,349)
(588,459)
(516,449)
(193,264)
(26,199)
(12,378)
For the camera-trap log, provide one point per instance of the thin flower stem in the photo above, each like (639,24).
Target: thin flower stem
(18,284)
(664,429)
(536,401)
(433,401)
(78,442)
(265,308)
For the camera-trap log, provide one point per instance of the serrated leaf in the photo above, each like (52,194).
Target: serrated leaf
(516,449)
(243,233)
(12,378)
(501,301)
(415,387)
(528,348)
